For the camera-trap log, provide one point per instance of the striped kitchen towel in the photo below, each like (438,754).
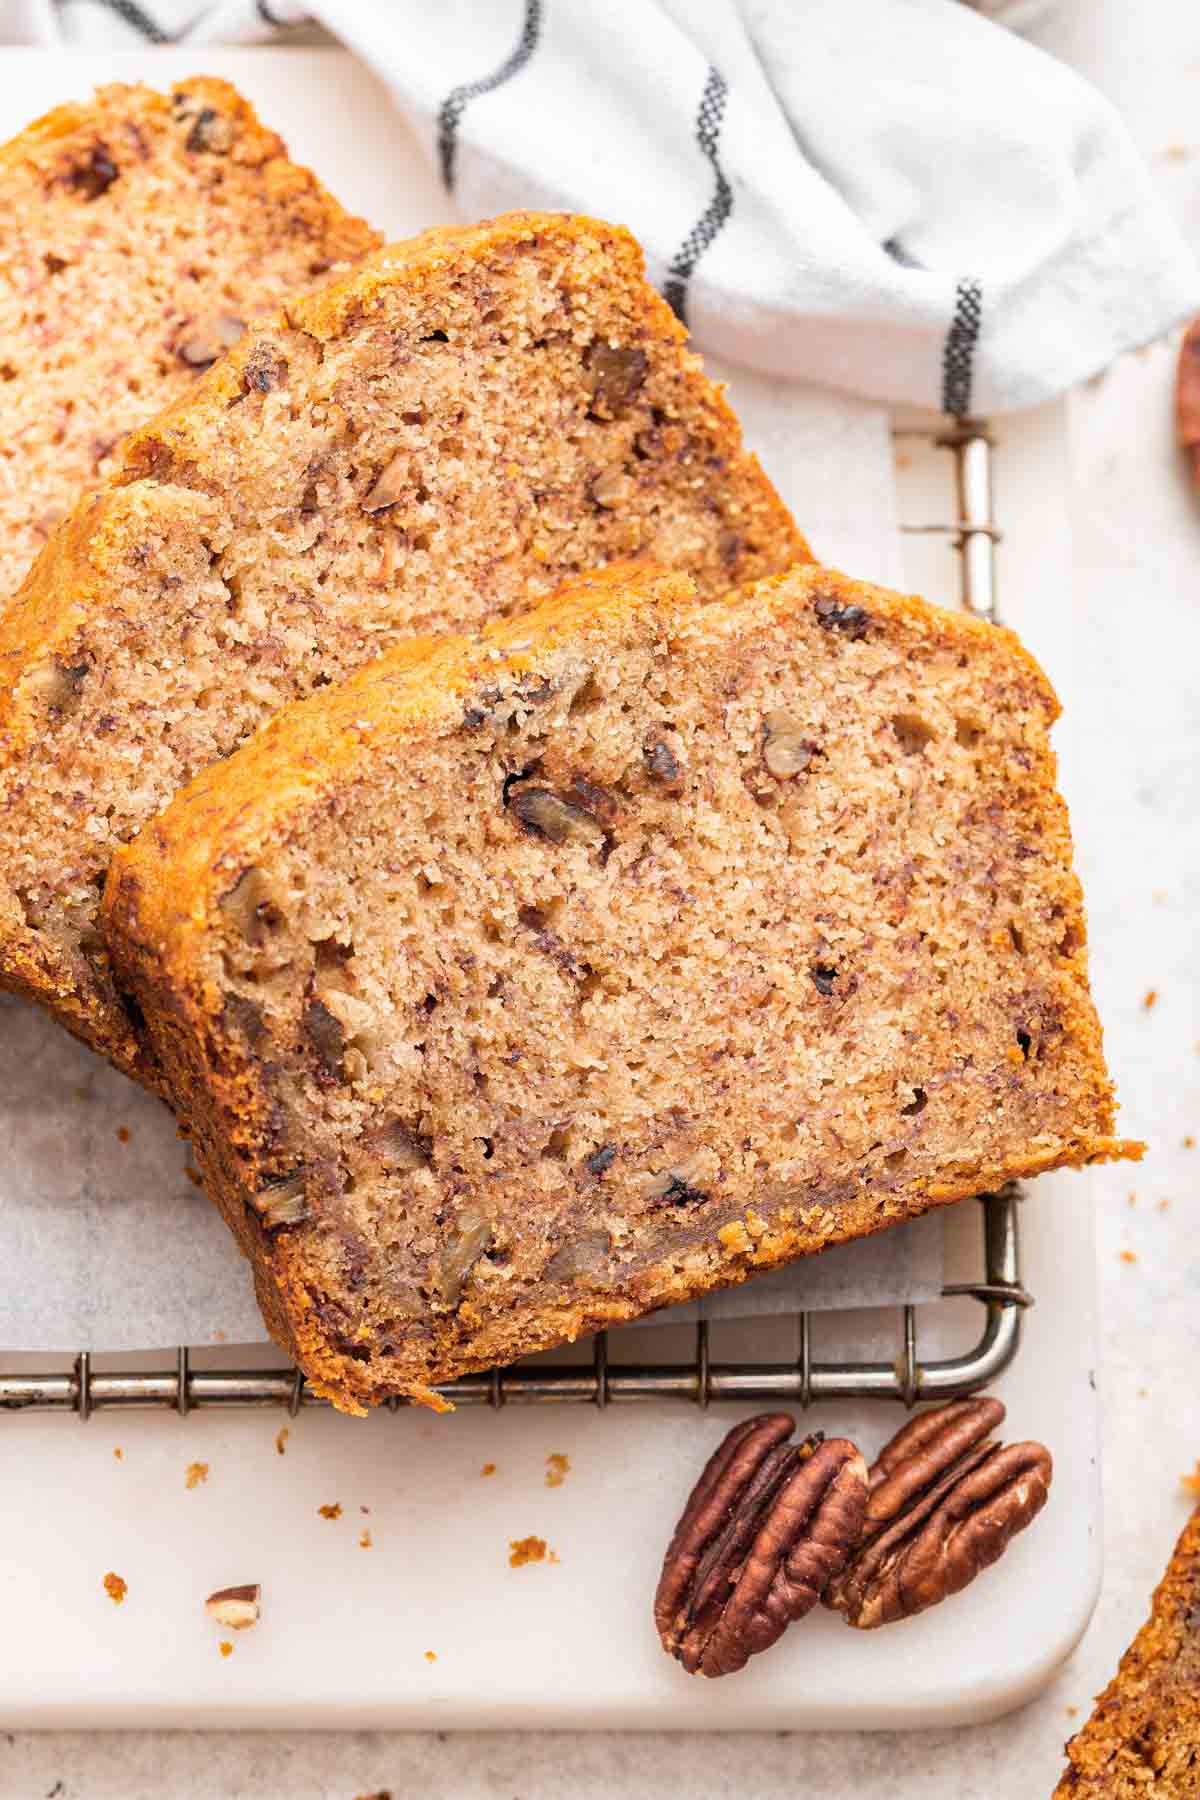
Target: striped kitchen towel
(897,197)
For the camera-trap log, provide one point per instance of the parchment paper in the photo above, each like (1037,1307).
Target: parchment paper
(107,1243)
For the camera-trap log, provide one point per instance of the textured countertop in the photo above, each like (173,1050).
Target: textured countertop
(1133,785)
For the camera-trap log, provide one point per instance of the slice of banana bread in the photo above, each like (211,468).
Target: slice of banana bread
(512,989)
(463,422)
(1142,1742)
(138,235)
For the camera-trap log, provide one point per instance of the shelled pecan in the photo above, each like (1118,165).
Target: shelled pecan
(766,1527)
(944,1502)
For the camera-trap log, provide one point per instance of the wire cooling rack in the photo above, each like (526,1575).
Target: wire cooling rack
(84,1388)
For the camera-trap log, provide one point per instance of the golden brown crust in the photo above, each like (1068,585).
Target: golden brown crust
(80,596)
(1142,1737)
(162,906)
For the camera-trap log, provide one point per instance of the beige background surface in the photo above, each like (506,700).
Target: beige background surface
(1133,787)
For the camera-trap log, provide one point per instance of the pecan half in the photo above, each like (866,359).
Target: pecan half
(766,1527)
(944,1502)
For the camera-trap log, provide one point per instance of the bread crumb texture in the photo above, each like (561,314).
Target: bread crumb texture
(1141,1738)
(439,437)
(518,987)
(142,233)
(116,1587)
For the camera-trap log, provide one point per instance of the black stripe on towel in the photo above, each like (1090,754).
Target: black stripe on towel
(958,356)
(708,132)
(457,101)
(141,21)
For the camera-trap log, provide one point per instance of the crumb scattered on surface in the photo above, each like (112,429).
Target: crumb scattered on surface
(1131,1199)
(364,1509)
(1176,152)
(1149,999)
(526,1550)
(1189,1142)
(225,1647)
(488,1469)
(281,1438)
(196,1473)
(1143,1393)
(1192,1482)
(330,1511)
(192,1175)
(364,1542)
(1129,1256)
(1163,1205)
(218,1337)
(116,1587)
(1072,1712)
(431,1656)
(118,1453)
(122,1134)
(557,1469)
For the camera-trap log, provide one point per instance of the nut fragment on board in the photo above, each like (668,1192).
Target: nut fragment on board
(767,1526)
(945,1501)
(236,1608)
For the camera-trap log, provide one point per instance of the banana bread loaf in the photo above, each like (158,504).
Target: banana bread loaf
(138,235)
(464,421)
(513,989)
(1142,1742)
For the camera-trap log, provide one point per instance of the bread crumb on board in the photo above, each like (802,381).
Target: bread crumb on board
(1129,1256)
(529,1550)
(525,1550)
(364,1542)
(281,1438)
(331,1510)
(431,1656)
(1149,999)
(116,1587)
(557,1469)
(122,1134)
(225,1647)
(197,1472)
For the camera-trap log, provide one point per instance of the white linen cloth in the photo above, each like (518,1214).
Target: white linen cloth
(896,197)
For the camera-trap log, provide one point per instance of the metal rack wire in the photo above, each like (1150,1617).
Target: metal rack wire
(85,1389)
